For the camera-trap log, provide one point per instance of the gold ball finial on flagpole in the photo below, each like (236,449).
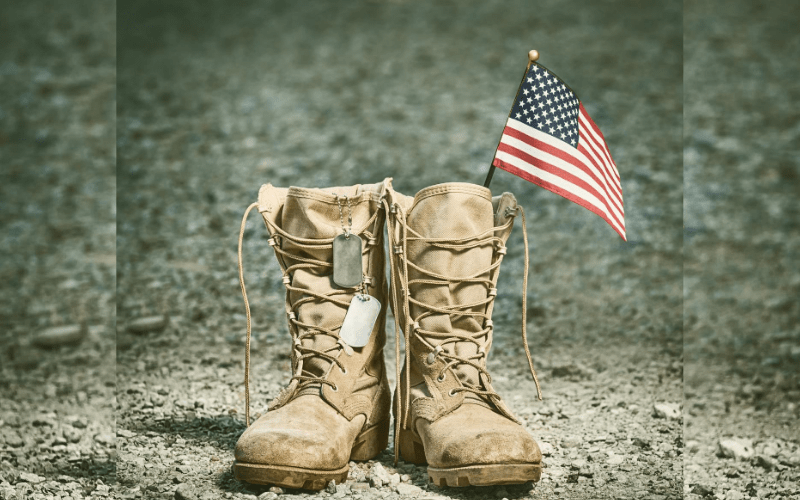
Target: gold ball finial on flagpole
(533,55)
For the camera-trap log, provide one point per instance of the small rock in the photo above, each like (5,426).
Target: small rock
(30,478)
(60,335)
(12,438)
(359,487)
(573,371)
(267,495)
(79,423)
(734,495)
(378,476)
(669,411)
(738,449)
(394,479)
(408,490)
(692,446)
(185,492)
(766,462)
(331,487)
(703,491)
(72,435)
(546,449)
(571,442)
(148,324)
(106,439)
(615,460)
(276,489)
(125,433)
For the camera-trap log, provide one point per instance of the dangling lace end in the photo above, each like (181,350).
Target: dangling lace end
(535,380)
(247,309)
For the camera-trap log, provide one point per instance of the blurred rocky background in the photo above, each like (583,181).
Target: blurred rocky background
(217,98)
(742,249)
(57,248)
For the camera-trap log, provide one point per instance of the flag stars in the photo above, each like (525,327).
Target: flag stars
(546,103)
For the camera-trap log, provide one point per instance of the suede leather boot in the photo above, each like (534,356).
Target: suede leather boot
(336,407)
(447,243)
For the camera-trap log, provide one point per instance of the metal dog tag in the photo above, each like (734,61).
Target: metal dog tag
(359,320)
(347,260)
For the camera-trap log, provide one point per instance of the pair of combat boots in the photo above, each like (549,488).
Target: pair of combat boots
(445,249)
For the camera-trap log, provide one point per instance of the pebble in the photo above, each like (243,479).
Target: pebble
(766,462)
(276,489)
(738,449)
(268,495)
(148,324)
(547,449)
(359,487)
(59,335)
(408,490)
(72,435)
(378,476)
(571,442)
(331,487)
(670,411)
(30,478)
(12,438)
(692,446)
(615,460)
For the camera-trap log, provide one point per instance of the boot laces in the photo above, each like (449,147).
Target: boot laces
(438,340)
(298,329)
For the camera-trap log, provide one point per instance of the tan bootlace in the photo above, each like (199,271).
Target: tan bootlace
(298,329)
(399,274)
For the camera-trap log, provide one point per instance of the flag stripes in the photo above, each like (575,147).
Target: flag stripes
(583,175)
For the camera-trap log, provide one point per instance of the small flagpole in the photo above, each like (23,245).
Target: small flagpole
(533,55)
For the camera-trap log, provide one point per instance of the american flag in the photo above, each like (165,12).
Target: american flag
(550,140)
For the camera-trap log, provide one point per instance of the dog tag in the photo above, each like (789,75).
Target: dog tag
(347,261)
(359,320)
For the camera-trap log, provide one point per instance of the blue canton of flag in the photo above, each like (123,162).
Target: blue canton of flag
(548,105)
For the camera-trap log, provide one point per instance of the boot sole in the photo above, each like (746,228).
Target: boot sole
(413,451)
(369,444)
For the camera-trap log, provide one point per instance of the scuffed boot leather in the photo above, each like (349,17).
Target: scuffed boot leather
(336,407)
(447,245)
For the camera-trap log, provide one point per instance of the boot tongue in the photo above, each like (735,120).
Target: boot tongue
(310,213)
(454,214)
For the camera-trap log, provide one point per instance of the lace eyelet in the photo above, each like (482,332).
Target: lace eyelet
(344,370)
(441,377)
(451,393)
(334,388)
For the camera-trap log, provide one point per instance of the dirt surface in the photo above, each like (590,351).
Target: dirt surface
(215,100)
(57,248)
(742,280)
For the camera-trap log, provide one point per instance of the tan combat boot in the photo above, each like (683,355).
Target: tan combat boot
(446,247)
(336,407)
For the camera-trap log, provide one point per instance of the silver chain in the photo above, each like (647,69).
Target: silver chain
(349,228)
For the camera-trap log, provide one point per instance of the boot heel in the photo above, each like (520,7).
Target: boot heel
(411,448)
(371,442)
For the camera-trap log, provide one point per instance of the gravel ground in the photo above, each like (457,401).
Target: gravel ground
(57,271)
(215,100)
(742,279)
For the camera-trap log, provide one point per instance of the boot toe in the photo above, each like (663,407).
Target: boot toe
(305,434)
(474,435)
